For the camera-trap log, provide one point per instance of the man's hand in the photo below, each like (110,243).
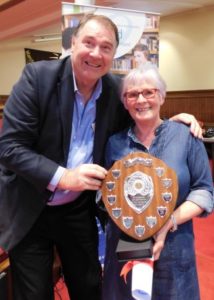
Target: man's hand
(188,119)
(84,177)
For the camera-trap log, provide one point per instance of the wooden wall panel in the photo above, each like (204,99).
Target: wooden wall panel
(199,103)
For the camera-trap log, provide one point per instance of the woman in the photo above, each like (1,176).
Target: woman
(175,275)
(141,56)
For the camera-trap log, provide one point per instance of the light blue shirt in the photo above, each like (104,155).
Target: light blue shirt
(81,142)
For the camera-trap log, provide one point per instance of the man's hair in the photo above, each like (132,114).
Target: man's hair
(147,73)
(101,19)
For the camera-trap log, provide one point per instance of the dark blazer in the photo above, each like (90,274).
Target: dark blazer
(35,140)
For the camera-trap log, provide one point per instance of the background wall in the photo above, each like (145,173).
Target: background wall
(12,60)
(186,53)
(187,50)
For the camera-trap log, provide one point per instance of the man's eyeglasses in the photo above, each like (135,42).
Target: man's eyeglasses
(146,93)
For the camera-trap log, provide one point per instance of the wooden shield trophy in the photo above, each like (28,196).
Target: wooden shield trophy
(139,193)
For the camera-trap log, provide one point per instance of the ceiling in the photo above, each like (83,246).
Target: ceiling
(164,7)
(29,17)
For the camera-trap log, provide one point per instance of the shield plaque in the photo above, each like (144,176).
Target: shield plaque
(140,193)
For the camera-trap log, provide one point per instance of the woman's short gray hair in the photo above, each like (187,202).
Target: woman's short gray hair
(148,74)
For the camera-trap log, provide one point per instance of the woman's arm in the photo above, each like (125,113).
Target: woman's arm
(185,212)
(199,201)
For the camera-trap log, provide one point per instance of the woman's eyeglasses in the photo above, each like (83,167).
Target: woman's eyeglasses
(146,93)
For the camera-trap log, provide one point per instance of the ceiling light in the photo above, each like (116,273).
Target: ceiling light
(46,39)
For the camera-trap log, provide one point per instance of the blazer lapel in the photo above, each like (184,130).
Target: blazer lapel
(66,101)
(103,113)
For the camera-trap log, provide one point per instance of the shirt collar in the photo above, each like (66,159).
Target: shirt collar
(97,90)
(158,130)
(132,135)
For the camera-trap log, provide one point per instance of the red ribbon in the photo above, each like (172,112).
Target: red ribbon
(131,263)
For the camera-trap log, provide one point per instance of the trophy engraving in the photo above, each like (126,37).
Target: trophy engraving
(138,191)
(138,160)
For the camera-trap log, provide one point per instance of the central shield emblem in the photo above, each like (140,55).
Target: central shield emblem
(140,193)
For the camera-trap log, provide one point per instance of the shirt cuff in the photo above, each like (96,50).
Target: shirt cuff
(202,198)
(55,179)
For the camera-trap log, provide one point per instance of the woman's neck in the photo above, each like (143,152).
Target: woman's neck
(146,132)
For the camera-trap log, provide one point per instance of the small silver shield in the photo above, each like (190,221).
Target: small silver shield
(127,222)
(139,230)
(151,221)
(111,199)
(159,171)
(162,211)
(167,197)
(110,185)
(116,173)
(167,182)
(116,212)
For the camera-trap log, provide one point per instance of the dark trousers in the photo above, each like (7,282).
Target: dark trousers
(72,229)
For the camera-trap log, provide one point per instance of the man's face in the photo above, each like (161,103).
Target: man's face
(93,50)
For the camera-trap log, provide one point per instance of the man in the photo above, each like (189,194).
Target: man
(56,124)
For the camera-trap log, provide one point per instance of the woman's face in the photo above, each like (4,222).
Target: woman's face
(143,102)
(139,57)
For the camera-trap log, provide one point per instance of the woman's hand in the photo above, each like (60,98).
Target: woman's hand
(188,119)
(159,239)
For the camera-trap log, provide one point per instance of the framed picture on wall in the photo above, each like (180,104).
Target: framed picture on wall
(32,55)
